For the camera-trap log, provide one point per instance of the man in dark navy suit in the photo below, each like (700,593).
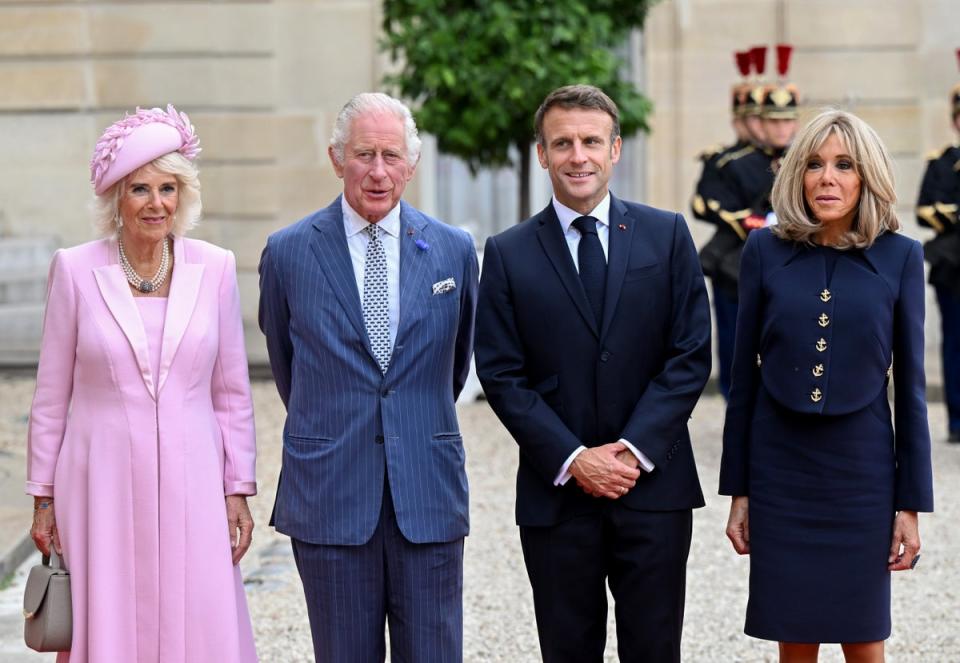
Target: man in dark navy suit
(593,345)
(368,309)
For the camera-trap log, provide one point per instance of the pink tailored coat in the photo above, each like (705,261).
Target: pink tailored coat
(139,467)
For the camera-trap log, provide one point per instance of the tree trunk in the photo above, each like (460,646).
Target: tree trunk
(523,203)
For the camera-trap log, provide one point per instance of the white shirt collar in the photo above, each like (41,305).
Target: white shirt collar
(567,216)
(353,223)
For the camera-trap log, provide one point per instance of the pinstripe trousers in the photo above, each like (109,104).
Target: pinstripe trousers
(351,591)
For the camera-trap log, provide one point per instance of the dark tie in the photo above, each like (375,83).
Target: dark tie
(593,264)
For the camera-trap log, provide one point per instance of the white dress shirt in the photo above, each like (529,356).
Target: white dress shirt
(567,216)
(357,241)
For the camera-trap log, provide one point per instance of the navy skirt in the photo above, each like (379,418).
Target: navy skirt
(821,521)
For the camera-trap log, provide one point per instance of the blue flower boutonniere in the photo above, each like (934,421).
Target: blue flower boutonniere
(422,244)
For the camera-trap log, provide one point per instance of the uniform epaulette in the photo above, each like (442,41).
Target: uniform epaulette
(933,155)
(732,156)
(708,152)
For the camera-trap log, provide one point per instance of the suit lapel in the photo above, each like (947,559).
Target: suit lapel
(555,246)
(413,266)
(619,243)
(329,245)
(184,290)
(116,294)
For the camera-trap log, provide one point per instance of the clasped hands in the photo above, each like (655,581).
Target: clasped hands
(610,470)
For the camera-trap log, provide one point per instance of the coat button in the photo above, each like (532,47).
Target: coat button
(823,320)
(604,356)
(825,295)
(816,395)
(817,370)
(821,345)
(378,439)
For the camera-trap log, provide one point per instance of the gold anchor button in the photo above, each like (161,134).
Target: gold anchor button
(825,295)
(816,395)
(823,320)
(821,345)
(818,370)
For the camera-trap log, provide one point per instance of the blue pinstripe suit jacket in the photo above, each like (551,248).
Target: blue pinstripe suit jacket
(337,401)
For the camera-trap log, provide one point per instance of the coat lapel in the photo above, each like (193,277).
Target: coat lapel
(329,245)
(184,290)
(413,266)
(619,245)
(116,294)
(555,246)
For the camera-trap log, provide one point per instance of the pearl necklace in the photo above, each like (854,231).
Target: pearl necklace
(137,281)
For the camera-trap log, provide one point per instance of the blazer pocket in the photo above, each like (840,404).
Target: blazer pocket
(310,439)
(642,272)
(447,437)
(445,300)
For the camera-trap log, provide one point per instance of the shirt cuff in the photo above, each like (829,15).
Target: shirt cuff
(645,463)
(564,475)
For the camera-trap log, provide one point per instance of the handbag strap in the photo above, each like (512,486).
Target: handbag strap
(57,561)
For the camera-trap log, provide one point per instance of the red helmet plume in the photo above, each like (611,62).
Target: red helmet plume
(783,59)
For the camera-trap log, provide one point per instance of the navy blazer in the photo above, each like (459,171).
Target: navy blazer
(347,424)
(831,351)
(558,380)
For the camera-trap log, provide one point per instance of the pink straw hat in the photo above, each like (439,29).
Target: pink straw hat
(138,139)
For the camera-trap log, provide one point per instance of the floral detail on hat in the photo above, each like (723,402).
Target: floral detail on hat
(113,138)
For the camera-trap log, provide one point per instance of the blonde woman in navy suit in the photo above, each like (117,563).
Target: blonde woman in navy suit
(825,492)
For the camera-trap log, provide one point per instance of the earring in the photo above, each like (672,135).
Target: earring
(118,220)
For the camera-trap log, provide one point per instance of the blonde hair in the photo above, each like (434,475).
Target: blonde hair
(106,206)
(875,210)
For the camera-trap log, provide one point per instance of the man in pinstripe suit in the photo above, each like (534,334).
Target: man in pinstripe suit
(368,310)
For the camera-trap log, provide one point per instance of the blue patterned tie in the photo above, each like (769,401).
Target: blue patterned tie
(376,305)
(592,264)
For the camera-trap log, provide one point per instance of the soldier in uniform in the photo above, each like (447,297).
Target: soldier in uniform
(742,201)
(937,209)
(710,188)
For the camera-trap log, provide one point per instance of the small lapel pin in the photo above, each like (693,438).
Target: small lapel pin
(622,226)
(410,231)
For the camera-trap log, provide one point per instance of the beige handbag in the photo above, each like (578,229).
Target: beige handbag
(48,615)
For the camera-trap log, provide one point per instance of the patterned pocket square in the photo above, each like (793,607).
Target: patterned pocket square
(446,285)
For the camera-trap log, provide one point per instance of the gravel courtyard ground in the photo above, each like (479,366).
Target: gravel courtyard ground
(499,624)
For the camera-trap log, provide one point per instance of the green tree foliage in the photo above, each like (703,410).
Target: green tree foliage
(477,70)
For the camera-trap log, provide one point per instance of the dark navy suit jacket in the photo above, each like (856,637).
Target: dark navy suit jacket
(347,424)
(557,380)
(829,351)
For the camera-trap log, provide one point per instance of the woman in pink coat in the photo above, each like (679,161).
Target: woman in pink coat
(141,442)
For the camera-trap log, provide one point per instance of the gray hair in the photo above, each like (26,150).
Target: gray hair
(374,102)
(875,211)
(106,206)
